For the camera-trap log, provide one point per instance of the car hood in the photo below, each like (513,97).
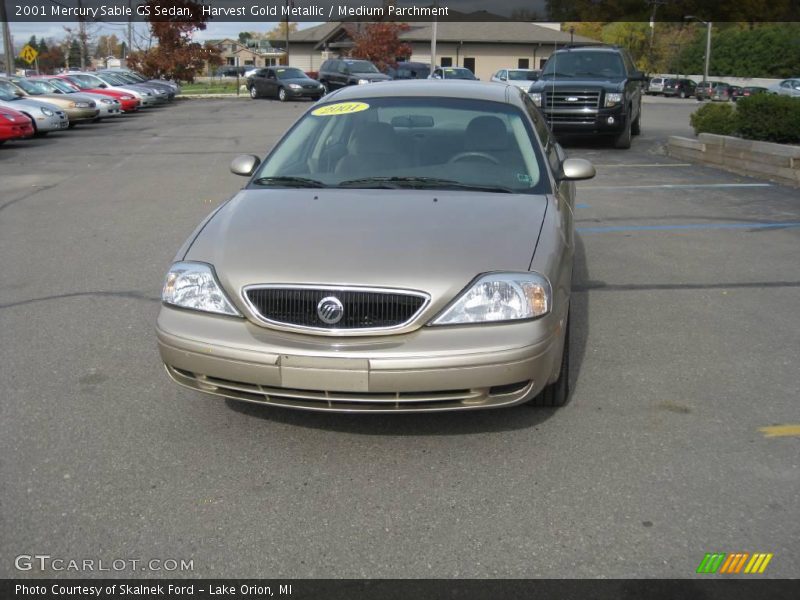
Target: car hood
(615,83)
(433,241)
(301,81)
(30,103)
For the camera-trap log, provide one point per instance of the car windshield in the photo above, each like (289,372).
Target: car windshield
(62,85)
(598,65)
(35,88)
(419,143)
(360,66)
(457,73)
(85,82)
(522,75)
(290,73)
(111,79)
(8,91)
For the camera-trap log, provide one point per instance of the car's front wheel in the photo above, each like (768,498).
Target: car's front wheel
(557,393)
(253,93)
(282,95)
(623,140)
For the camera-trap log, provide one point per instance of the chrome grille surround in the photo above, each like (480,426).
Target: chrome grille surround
(350,294)
(555,99)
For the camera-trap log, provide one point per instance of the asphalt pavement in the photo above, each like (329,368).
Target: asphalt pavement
(686,340)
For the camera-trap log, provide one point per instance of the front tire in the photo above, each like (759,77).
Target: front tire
(623,140)
(282,96)
(253,93)
(636,126)
(683,94)
(557,393)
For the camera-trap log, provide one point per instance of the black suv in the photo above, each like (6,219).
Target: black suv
(591,90)
(340,72)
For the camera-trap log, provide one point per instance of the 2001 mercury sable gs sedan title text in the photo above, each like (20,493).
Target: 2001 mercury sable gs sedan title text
(405,247)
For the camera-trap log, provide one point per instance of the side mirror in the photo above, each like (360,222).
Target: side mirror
(245,164)
(503,78)
(575,169)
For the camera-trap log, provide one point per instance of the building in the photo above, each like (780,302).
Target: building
(259,53)
(484,48)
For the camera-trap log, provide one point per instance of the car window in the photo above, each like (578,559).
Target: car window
(360,66)
(462,141)
(289,73)
(584,64)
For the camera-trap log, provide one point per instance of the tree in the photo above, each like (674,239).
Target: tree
(245,37)
(279,31)
(176,56)
(380,43)
(74,55)
(107,45)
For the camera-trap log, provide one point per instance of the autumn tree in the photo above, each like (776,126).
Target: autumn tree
(107,45)
(380,43)
(176,56)
(279,31)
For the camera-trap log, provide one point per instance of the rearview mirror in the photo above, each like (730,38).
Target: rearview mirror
(575,169)
(245,164)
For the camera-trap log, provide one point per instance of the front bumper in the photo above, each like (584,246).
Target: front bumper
(311,93)
(591,121)
(53,123)
(427,370)
(77,115)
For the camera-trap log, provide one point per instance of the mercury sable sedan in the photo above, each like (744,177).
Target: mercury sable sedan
(404,247)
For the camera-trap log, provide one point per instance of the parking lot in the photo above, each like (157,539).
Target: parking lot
(685,344)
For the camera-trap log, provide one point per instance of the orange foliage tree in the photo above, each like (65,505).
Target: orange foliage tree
(380,43)
(176,56)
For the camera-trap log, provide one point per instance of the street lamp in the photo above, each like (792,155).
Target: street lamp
(708,42)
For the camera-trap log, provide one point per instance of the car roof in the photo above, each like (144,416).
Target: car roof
(425,88)
(592,48)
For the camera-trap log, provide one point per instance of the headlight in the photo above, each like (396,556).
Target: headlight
(128,98)
(194,285)
(536,97)
(83,105)
(363,81)
(295,86)
(46,112)
(106,101)
(498,297)
(613,99)
(9,117)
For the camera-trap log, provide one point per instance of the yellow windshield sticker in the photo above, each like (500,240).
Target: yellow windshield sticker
(343,108)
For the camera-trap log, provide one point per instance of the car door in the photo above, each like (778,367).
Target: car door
(271,83)
(258,81)
(342,74)
(633,84)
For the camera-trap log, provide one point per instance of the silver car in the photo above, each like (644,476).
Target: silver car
(522,78)
(787,87)
(405,247)
(109,107)
(46,117)
(655,86)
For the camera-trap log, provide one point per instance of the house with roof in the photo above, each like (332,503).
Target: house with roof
(259,53)
(484,48)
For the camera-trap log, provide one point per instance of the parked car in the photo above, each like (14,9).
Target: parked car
(170,88)
(127,100)
(705,90)
(724,92)
(159,94)
(231,71)
(44,116)
(409,70)
(787,87)
(108,107)
(655,86)
(682,88)
(14,125)
(453,73)
(522,78)
(145,96)
(79,110)
(591,90)
(748,91)
(384,323)
(283,83)
(337,73)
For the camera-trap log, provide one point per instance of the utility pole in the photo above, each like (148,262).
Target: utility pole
(130,30)
(287,33)
(433,45)
(708,43)
(8,49)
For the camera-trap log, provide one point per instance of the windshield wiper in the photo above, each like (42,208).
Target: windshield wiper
(556,74)
(301,182)
(421,183)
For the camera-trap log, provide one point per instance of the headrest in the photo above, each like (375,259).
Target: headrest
(486,133)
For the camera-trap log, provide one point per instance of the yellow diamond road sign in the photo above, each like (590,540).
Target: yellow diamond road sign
(28,54)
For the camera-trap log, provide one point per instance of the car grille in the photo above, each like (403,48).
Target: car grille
(363,308)
(560,99)
(321,400)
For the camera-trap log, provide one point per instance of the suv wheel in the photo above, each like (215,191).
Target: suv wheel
(683,94)
(253,93)
(636,126)
(557,393)
(623,140)
(282,94)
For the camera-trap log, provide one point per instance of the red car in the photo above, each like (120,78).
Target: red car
(128,102)
(14,125)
